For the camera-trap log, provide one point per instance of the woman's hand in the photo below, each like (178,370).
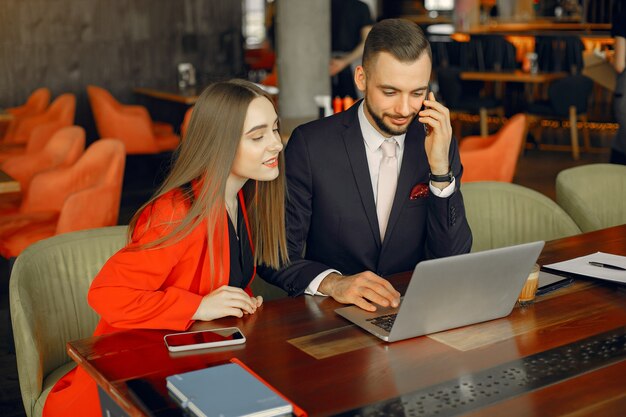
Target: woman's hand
(226,301)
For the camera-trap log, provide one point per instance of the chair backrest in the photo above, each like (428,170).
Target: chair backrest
(41,134)
(450,85)
(268,291)
(497,160)
(499,54)
(36,104)
(132,128)
(49,190)
(560,53)
(48,301)
(573,90)
(593,195)
(503,214)
(95,201)
(62,150)
(62,110)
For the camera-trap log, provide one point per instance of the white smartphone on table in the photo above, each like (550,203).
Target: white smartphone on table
(202,339)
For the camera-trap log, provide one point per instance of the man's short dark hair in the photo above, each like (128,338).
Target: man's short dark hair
(401,38)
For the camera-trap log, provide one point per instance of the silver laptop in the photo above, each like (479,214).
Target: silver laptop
(452,292)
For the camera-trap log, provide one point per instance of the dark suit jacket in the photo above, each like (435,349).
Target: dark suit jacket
(331,213)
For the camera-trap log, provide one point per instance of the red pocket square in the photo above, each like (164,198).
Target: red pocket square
(419,191)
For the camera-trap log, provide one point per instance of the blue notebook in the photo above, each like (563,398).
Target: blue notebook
(226,391)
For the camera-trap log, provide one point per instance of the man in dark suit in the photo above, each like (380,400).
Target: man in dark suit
(374,190)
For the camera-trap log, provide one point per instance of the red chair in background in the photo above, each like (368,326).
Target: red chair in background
(37,140)
(131,124)
(36,104)
(84,196)
(494,158)
(61,112)
(63,149)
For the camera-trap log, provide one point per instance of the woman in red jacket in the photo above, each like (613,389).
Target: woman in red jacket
(194,247)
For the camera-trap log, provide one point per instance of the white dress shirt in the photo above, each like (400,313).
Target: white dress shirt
(373,139)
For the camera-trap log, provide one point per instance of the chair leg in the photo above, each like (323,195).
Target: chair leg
(534,127)
(484,130)
(533,123)
(538,133)
(574,132)
(586,140)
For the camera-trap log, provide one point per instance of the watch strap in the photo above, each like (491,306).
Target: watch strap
(442,178)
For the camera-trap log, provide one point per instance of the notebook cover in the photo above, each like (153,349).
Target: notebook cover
(297,411)
(226,390)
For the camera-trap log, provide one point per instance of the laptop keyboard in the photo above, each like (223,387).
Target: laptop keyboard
(384,322)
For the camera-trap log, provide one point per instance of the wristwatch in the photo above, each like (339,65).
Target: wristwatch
(441,178)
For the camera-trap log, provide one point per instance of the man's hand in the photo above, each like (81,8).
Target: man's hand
(361,289)
(437,144)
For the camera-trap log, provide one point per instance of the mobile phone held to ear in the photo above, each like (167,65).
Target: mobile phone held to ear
(426,127)
(202,339)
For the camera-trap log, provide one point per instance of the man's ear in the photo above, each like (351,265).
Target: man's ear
(360,78)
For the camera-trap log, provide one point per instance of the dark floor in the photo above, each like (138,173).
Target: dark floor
(536,170)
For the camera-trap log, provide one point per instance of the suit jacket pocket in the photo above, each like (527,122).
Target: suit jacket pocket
(418,202)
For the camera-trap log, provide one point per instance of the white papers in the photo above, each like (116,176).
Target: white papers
(581,266)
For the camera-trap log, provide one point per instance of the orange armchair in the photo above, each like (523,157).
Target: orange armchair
(61,112)
(83,196)
(36,104)
(63,149)
(131,124)
(494,158)
(37,140)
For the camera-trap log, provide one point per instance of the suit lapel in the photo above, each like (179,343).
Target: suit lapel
(355,149)
(413,152)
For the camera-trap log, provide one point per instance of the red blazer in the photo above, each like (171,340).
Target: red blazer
(149,289)
(160,288)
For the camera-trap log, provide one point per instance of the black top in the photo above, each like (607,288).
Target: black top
(618,27)
(241,257)
(348,17)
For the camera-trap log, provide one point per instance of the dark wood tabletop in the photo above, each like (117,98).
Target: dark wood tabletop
(8,184)
(516,76)
(187,95)
(326,366)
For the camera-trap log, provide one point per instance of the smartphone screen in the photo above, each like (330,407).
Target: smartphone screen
(204,338)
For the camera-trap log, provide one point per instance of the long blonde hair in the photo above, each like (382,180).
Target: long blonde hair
(207,154)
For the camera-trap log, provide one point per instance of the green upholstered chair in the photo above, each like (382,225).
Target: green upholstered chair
(48,299)
(503,214)
(593,195)
(267,290)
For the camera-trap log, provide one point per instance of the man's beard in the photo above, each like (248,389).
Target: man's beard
(384,127)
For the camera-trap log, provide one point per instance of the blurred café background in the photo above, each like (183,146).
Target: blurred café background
(79,77)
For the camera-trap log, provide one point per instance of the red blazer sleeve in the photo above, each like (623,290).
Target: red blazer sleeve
(134,289)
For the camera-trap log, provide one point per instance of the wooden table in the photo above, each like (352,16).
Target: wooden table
(516,76)
(188,95)
(8,184)
(301,347)
(532,82)
(5,116)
